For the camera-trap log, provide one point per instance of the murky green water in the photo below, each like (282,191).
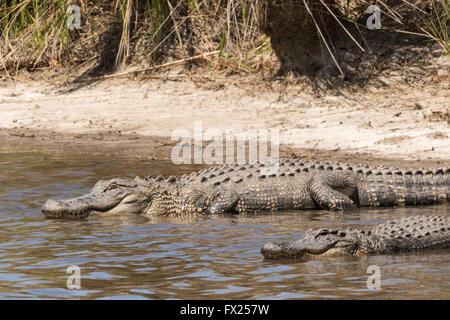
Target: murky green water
(213,257)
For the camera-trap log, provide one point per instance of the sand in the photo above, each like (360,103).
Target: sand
(388,122)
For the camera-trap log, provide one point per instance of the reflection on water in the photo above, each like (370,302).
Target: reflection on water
(213,257)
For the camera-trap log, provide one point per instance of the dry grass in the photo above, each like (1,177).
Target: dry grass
(34,32)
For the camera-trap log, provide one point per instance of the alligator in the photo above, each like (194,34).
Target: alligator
(399,235)
(249,188)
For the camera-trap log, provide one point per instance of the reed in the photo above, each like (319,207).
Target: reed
(437,24)
(35,32)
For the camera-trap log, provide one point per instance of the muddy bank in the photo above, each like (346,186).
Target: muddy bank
(132,147)
(136,119)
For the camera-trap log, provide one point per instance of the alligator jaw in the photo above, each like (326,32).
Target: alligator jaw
(77,208)
(302,247)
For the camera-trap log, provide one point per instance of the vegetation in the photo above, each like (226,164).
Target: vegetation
(34,32)
(437,24)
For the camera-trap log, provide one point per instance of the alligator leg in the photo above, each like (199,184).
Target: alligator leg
(331,191)
(222,201)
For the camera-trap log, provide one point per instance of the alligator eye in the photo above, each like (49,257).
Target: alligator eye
(111,187)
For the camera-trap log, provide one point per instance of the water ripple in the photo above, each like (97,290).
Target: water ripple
(128,257)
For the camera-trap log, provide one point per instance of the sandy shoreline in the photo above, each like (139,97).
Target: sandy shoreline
(137,119)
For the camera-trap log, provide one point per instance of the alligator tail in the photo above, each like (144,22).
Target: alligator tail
(402,187)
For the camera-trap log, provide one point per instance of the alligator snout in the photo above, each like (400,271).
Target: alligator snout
(63,209)
(309,245)
(281,249)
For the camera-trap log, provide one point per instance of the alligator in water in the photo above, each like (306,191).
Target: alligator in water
(246,189)
(399,235)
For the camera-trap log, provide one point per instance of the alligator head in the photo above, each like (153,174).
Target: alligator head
(316,243)
(107,196)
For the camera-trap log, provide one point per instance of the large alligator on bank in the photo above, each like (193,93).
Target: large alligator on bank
(297,184)
(400,235)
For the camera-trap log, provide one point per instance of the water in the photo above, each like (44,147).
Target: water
(214,257)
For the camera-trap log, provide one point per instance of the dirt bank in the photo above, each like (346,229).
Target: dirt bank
(137,119)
